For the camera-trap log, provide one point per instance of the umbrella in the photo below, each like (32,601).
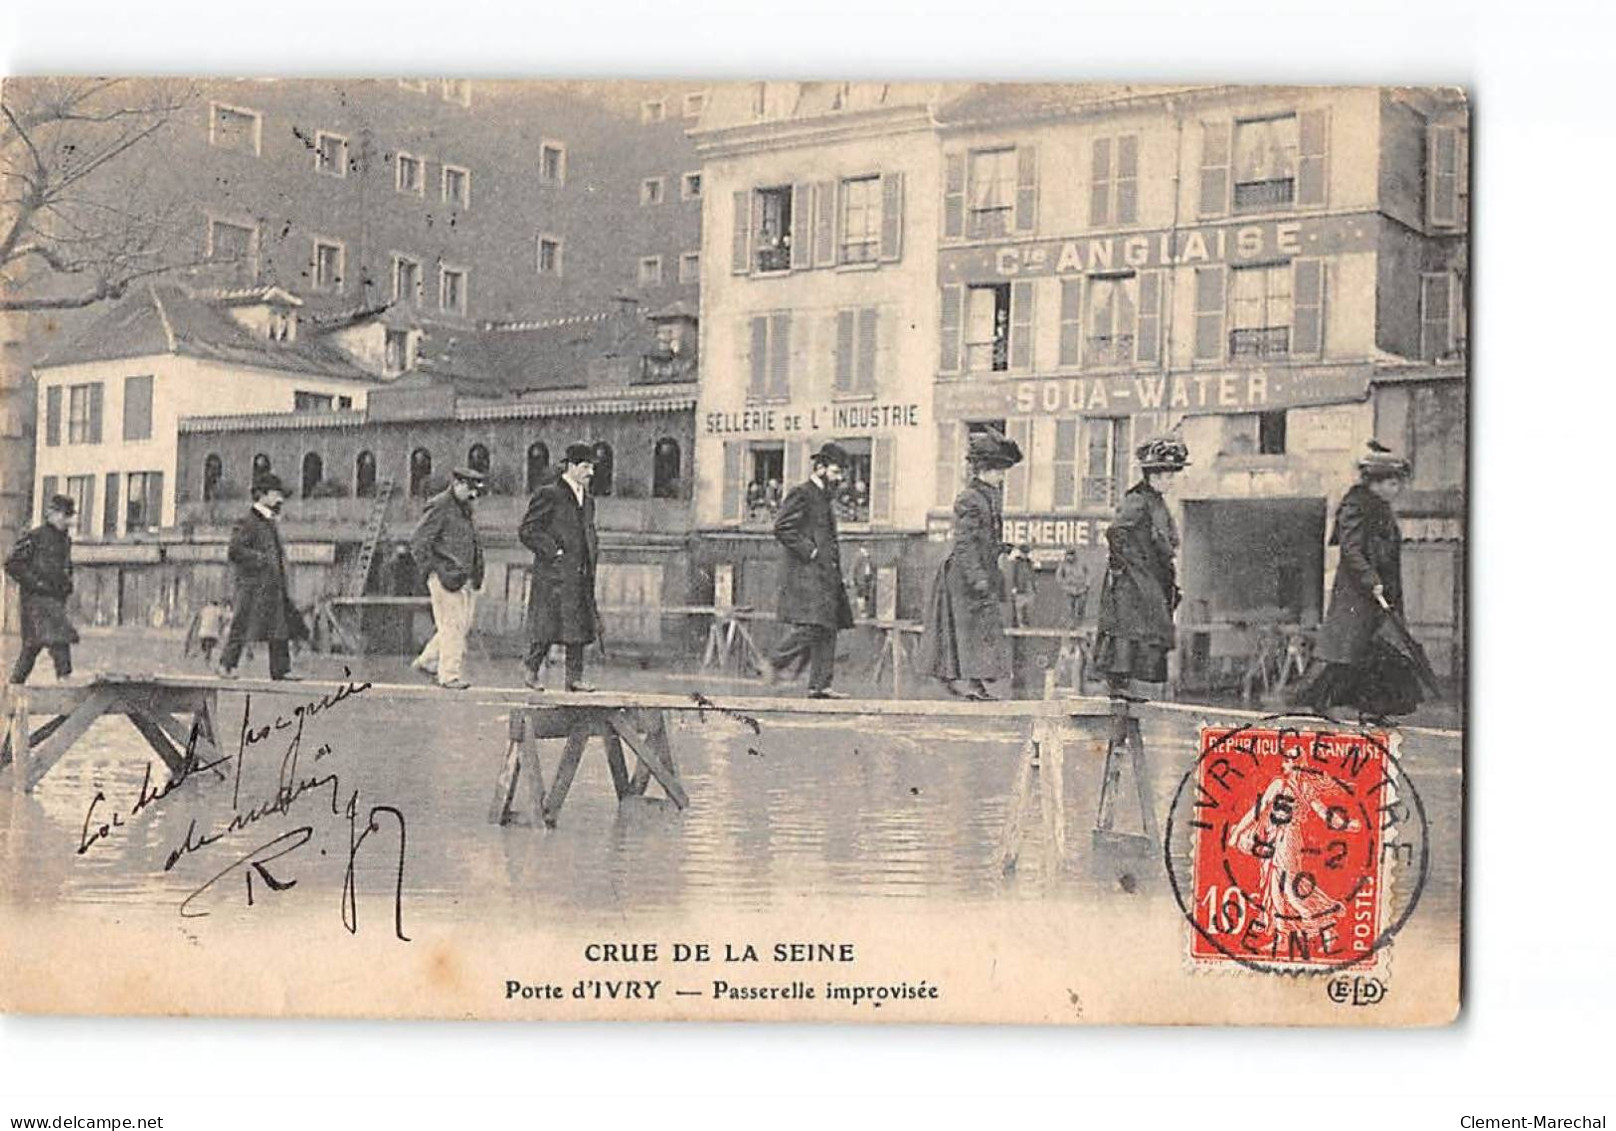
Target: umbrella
(1394,632)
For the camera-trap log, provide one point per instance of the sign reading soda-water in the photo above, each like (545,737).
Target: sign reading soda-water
(1123,394)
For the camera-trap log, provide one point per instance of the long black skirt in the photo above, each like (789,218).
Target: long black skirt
(1382,684)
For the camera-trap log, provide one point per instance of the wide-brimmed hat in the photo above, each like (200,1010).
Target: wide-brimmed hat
(1380,462)
(579,453)
(991,448)
(1163,453)
(267,482)
(62,504)
(831,453)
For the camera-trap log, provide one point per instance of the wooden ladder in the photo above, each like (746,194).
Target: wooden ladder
(375,523)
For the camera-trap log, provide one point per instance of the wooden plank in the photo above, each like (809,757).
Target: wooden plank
(1052,787)
(1141,780)
(571,755)
(156,738)
(617,764)
(45,731)
(1015,821)
(654,758)
(82,717)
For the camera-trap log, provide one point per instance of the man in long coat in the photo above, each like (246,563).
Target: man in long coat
(449,553)
(813,598)
(559,527)
(41,565)
(263,608)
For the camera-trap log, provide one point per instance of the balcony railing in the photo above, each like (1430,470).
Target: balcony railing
(1111,349)
(1260,342)
(861,251)
(1101,490)
(1260,196)
(655,369)
(986,223)
(985,356)
(774,255)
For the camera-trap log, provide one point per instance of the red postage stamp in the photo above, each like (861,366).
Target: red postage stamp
(1289,829)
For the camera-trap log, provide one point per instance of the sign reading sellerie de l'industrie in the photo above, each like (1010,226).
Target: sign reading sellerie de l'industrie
(853,417)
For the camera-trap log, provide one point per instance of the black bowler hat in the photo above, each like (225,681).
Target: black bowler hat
(266,483)
(832,453)
(62,504)
(579,453)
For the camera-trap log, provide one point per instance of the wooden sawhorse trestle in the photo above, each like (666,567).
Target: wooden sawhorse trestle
(155,710)
(521,796)
(1125,742)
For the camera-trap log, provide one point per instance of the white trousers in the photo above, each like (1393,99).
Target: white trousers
(452,615)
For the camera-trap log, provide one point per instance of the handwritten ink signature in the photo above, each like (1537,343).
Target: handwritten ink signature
(146,797)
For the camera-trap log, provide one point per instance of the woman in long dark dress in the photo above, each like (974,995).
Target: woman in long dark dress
(1354,665)
(964,622)
(1140,590)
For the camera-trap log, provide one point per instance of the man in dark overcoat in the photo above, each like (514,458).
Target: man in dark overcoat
(449,553)
(41,565)
(263,608)
(813,598)
(559,527)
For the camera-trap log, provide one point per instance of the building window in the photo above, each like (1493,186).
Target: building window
(665,469)
(410,174)
(1265,153)
(601,484)
(312,402)
(457,186)
(331,154)
(695,103)
(313,472)
(773,210)
(1105,460)
(143,501)
(137,408)
(765,485)
(452,289)
(365,475)
(328,265)
(420,472)
(549,255)
(1254,433)
(992,192)
(457,90)
(397,359)
(261,466)
(81,489)
(1437,307)
(1260,311)
(235,129)
(769,360)
(84,414)
(690,186)
(406,279)
(861,220)
(852,502)
(690,267)
(1114,181)
(538,462)
(987,328)
(232,243)
(477,458)
(651,191)
(212,476)
(651,271)
(552,163)
(653,110)
(1113,303)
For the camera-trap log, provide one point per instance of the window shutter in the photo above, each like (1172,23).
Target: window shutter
(780,355)
(1436,310)
(1066,463)
(1127,176)
(1147,331)
(1015,480)
(1026,188)
(802,227)
(1442,176)
(951,326)
(825,224)
(154,499)
(740,255)
(109,507)
(869,328)
(891,217)
(1307,289)
(730,507)
(1071,321)
(947,463)
(1100,183)
(755,355)
(1312,158)
(1209,345)
(954,196)
(53,416)
(1217,145)
(1021,322)
(137,408)
(95,413)
(84,518)
(47,488)
(844,350)
(796,462)
(881,479)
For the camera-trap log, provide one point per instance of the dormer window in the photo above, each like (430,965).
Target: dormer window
(398,352)
(282,325)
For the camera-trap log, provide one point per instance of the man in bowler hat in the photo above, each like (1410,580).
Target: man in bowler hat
(813,598)
(449,553)
(263,609)
(559,528)
(41,565)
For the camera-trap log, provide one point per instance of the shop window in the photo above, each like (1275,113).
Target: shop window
(665,469)
(365,475)
(772,248)
(1260,311)
(1265,157)
(313,472)
(601,484)
(765,482)
(420,472)
(477,458)
(212,477)
(852,502)
(991,193)
(987,328)
(538,463)
(861,220)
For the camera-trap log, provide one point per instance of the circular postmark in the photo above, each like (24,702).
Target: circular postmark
(1283,842)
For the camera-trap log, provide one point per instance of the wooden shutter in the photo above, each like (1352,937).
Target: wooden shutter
(1021,324)
(869,328)
(740,254)
(95,413)
(1312,158)
(1127,179)
(881,479)
(1217,148)
(948,462)
(891,217)
(1015,480)
(109,507)
(734,473)
(796,463)
(48,486)
(53,416)
(780,355)
(154,499)
(1100,183)
(1066,463)
(1026,188)
(1307,302)
(825,224)
(1071,321)
(755,355)
(845,332)
(802,226)
(1209,306)
(1147,328)
(1442,176)
(137,408)
(1436,315)
(951,325)
(954,196)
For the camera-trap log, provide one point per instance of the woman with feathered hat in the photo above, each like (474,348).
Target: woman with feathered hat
(964,622)
(1140,590)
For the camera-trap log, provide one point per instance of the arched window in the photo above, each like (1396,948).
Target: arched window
(313,472)
(420,471)
(477,458)
(601,484)
(364,475)
(665,469)
(538,462)
(212,476)
(260,465)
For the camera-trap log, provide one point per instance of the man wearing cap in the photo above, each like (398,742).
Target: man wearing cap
(813,599)
(559,528)
(41,565)
(449,555)
(263,609)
